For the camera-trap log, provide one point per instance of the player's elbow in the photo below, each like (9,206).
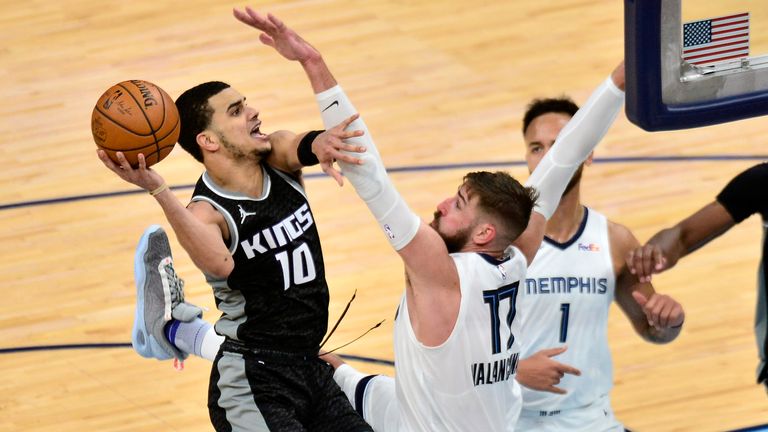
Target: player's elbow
(217,268)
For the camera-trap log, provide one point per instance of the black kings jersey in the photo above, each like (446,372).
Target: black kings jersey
(745,195)
(276,297)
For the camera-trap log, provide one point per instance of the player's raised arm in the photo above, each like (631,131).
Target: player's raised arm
(369,178)
(428,255)
(582,133)
(323,147)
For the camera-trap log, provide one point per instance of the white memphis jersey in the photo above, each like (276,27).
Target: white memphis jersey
(566,298)
(467,383)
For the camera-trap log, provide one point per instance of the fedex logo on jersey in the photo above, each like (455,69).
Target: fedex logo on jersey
(591,247)
(279,234)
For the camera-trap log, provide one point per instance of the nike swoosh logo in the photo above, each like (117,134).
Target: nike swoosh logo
(332,104)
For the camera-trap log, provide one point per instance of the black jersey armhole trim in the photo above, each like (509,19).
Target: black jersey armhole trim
(575,237)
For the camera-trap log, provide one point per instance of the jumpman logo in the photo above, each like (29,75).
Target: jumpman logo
(244,214)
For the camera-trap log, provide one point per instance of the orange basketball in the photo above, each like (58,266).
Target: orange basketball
(135,117)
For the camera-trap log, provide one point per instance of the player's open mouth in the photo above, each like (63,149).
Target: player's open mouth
(256,132)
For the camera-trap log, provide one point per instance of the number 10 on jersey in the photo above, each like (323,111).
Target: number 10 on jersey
(298,267)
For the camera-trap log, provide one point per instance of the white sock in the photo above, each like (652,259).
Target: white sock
(211,343)
(196,337)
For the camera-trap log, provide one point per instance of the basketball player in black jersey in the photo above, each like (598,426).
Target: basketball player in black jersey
(745,195)
(250,229)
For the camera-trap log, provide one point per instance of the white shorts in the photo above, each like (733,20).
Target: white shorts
(597,417)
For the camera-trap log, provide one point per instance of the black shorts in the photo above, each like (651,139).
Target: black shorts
(269,391)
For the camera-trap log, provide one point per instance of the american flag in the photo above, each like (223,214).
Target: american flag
(716,39)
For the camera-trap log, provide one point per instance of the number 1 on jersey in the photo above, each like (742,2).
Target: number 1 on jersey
(565,310)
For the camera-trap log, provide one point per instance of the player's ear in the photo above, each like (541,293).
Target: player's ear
(484,233)
(207,141)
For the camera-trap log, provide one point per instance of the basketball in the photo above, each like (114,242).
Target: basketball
(135,117)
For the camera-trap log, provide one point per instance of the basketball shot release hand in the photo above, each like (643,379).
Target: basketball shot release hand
(135,117)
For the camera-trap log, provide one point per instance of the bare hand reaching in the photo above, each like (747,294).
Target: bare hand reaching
(646,260)
(277,35)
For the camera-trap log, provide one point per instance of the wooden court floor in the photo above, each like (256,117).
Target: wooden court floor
(442,86)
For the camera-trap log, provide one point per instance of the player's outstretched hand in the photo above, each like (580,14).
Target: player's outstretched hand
(661,310)
(277,35)
(646,260)
(541,372)
(143,177)
(330,147)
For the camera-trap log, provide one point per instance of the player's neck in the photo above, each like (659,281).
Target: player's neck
(566,220)
(493,252)
(244,177)
(490,249)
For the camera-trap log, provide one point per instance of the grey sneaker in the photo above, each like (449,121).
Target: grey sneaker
(159,297)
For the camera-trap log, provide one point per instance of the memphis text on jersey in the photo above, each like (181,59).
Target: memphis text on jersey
(566,285)
(279,234)
(496,371)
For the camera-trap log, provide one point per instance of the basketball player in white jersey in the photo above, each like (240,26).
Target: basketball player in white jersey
(457,332)
(579,270)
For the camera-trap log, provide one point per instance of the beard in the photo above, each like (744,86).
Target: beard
(238,154)
(454,242)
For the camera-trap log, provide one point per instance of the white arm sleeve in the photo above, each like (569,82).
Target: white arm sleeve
(370,179)
(574,143)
